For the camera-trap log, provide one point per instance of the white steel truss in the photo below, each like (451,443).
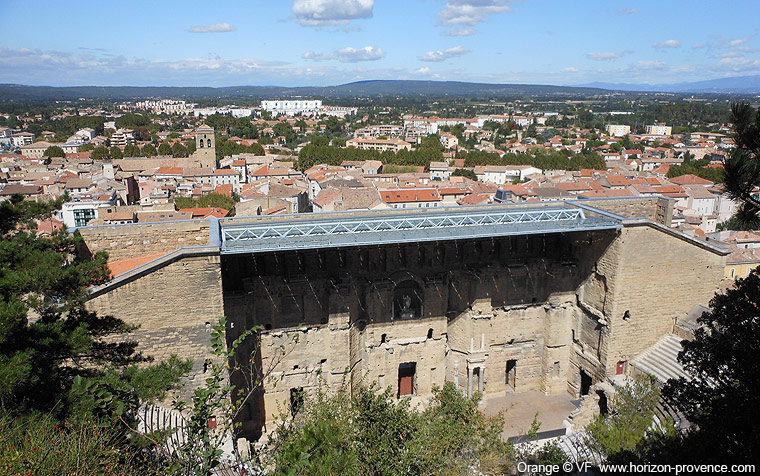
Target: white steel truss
(318,232)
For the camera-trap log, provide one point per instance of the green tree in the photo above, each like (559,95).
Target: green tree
(86,147)
(319,140)
(131,150)
(115,153)
(301,125)
(179,150)
(465,173)
(99,153)
(44,360)
(370,432)
(164,149)
(723,388)
(148,150)
(54,151)
(631,414)
(209,200)
(742,168)
(339,142)
(60,364)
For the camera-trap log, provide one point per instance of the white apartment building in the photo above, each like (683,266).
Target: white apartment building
(86,135)
(449,141)
(659,130)
(501,174)
(79,211)
(169,106)
(122,137)
(21,139)
(421,125)
(618,130)
(339,111)
(292,107)
(236,112)
(382,145)
(387,130)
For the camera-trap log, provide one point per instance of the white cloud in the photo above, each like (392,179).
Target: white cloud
(740,64)
(603,56)
(737,42)
(354,55)
(628,11)
(38,66)
(443,55)
(471,12)
(347,55)
(649,64)
(698,46)
(459,32)
(331,12)
(423,70)
(215,28)
(667,44)
(310,55)
(570,69)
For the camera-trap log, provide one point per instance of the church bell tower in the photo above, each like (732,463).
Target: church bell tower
(205,147)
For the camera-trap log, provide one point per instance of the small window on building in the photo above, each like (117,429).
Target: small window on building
(430,333)
(733,272)
(384,338)
(296,400)
(406,374)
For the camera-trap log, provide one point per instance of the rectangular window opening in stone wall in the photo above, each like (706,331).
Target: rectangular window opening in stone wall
(586,382)
(511,374)
(296,399)
(406,378)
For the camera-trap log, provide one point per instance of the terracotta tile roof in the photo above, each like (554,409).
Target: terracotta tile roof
(226,172)
(121,266)
(410,195)
(689,179)
(326,196)
(205,212)
(164,170)
(475,199)
(609,193)
(278,210)
(224,190)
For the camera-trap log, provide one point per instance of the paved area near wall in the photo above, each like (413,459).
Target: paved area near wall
(520,408)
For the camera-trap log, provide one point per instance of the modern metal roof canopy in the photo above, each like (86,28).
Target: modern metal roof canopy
(314,231)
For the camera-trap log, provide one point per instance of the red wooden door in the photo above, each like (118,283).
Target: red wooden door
(620,368)
(406,380)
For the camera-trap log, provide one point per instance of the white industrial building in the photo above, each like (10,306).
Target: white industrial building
(292,107)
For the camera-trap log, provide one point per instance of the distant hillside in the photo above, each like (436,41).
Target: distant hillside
(733,85)
(16,92)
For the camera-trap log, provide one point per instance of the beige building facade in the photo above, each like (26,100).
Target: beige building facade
(205,147)
(554,312)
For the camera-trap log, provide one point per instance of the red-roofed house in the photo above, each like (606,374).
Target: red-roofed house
(690,179)
(411,197)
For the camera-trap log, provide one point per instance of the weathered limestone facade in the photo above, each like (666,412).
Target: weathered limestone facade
(131,240)
(175,306)
(553,312)
(496,315)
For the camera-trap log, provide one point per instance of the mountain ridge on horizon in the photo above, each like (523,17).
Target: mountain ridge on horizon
(730,84)
(375,87)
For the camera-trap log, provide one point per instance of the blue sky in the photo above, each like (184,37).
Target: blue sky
(325,42)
